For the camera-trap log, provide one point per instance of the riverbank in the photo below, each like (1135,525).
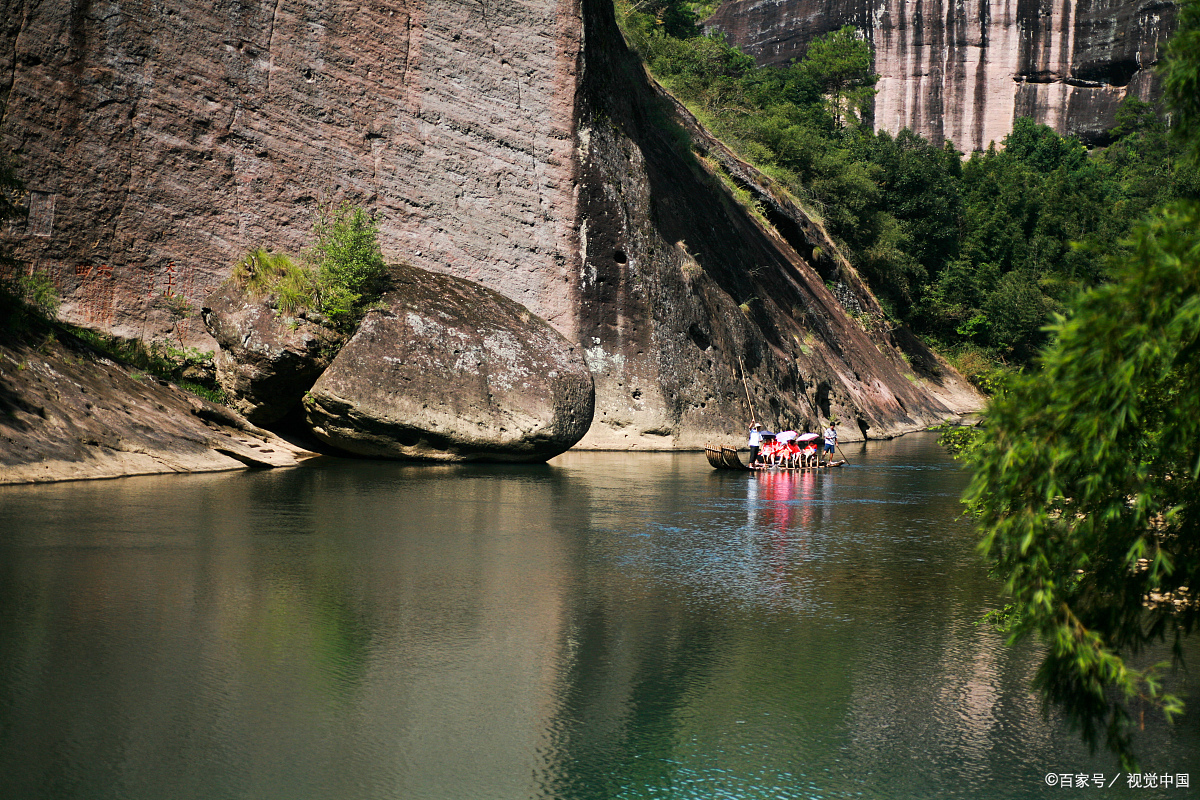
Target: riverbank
(68,412)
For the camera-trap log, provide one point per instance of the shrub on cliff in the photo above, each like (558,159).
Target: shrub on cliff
(347,261)
(340,275)
(261,272)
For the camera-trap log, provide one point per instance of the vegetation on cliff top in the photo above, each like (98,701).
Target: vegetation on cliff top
(975,255)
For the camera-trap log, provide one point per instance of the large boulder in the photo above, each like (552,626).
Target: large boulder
(267,360)
(452,371)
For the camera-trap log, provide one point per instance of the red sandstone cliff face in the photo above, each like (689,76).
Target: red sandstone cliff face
(965,71)
(161,141)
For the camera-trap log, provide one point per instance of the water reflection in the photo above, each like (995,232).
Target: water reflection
(611,625)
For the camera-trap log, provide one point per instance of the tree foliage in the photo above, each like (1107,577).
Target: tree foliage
(840,65)
(347,260)
(1086,481)
(1181,77)
(974,255)
(1086,477)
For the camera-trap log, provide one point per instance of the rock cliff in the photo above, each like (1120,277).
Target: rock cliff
(161,141)
(965,71)
(697,313)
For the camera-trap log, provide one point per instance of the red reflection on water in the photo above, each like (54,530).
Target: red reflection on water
(780,490)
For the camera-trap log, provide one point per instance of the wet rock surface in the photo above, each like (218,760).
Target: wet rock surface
(267,360)
(965,71)
(68,413)
(452,371)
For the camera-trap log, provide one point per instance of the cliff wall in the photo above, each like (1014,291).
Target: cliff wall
(697,313)
(517,143)
(163,140)
(964,71)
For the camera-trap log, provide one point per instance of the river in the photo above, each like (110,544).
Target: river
(608,625)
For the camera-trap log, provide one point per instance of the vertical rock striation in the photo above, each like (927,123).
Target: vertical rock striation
(965,71)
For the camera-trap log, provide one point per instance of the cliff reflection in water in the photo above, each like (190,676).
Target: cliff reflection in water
(631,625)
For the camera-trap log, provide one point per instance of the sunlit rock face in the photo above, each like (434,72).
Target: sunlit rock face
(447,370)
(964,71)
(163,140)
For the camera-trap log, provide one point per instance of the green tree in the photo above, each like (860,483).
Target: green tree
(921,188)
(1181,78)
(1041,148)
(1086,477)
(1086,482)
(671,17)
(840,64)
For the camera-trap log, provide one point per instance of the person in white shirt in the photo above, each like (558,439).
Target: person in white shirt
(830,442)
(755,440)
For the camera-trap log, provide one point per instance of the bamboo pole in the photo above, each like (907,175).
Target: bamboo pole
(746,386)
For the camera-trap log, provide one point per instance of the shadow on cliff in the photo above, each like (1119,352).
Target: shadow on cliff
(739,314)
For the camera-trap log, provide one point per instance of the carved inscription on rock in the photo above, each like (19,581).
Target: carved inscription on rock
(40,221)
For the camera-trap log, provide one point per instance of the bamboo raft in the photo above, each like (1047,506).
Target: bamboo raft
(727,458)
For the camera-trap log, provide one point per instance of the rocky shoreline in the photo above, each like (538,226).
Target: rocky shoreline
(69,412)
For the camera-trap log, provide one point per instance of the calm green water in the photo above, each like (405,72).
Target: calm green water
(605,626)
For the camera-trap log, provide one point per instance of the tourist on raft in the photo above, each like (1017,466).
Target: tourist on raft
(786,449)
(773,452)
(783,450)
(790,451)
